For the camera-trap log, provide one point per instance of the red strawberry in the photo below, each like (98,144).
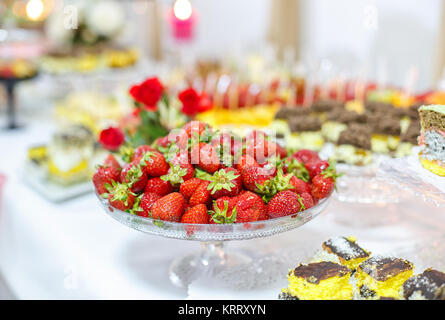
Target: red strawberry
(281,151)
(154,164)
(308,201)
(245,162)
(253,177)
(120,196)
(315,167)
(225,182)
(105,175)
(249,207)
(284,203)
(299,185)
(322,186)
(223,210)
(292,165)
(111,161)
(201,194)
(195,128)
(169,207)
(188,187)
(205,157)
(179,173)
(180,158)
(140,151)
(158,186)
(306,155)
(147,202)
(197,214)
(162,142)
(134,176)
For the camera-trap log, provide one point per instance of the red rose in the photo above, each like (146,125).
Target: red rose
(111,138)
(205,103)
(148,93)
(190,101)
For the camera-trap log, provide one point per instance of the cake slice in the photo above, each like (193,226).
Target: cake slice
(432,138)
(348,252)
(338,120)
(408,140)
(429,285)
(386,133)
(305,133)
(354,146)
(319,281)
(382,277)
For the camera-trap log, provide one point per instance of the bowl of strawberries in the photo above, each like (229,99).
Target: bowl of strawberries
(212,186)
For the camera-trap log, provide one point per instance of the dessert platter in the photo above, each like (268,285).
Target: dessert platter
(343,270)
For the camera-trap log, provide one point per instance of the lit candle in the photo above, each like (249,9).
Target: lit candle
(183,20)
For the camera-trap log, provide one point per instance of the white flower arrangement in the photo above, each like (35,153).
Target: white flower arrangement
(85,23)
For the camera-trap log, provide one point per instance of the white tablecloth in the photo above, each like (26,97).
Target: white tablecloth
(74,250)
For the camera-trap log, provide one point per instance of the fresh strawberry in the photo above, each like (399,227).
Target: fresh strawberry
(134,176)
(249,207)
(225,182)
(281,151)
(188,187)
(111,161)
(299,185)
(120,196)
(158,186)
(306,155)
(169,207)
(179,173)
(315,167)
(105,175)
(223,210)
(196,214)
(147,201)
(140,151)
(284,203)
(162,142)
(181,158)
(295,166)
(195,128)
(308,201)
(245,162)
(322,185)
(205,157)
(154,164)
(255,177)
(201,194)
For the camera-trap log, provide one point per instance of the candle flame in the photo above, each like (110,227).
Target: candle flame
(182,9)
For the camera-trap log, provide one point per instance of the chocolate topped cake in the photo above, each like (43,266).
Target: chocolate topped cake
(356,135)
(412,133)
(292,112)
(387,126)
(316,272)
(347,250)
(429,285)
(304,123)
(346,117)
(382,269)
(327,105)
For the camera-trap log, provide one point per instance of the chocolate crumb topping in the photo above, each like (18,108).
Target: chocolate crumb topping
(346,117)
(412,133)
(356,135)
(344,248)
(430,283)
(304,123)
(382,269)
(327,105)
(316,272)
(292,112)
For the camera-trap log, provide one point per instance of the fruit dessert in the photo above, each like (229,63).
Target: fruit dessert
(337,121)
(323,280)
(17,69)
(200,175)
(429,285)
(354,146)
(432,139)
(382,276)
(305,133)
(343,250)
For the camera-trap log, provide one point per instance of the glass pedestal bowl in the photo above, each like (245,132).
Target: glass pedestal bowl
(213,259)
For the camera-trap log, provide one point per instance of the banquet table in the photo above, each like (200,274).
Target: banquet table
(73,250)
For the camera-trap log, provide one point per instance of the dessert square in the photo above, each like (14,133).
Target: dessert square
(382,276)
(349,253)
(429,285)
(323,280)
